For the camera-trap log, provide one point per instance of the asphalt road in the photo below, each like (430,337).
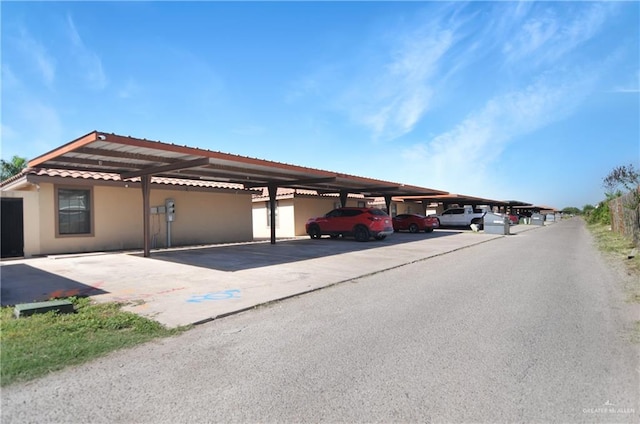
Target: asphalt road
(526,328)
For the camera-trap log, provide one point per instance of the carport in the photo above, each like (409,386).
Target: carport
(137,159)
(450,199)
(516,206)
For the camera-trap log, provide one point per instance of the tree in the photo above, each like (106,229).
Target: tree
(622,176)
(587,208)
(628,177)
(14,167)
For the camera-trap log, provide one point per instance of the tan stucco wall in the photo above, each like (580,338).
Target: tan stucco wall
(204,217)
(284,223)
(293,214)
(201,218)
(311,207)
(409,207)
(259,220)
(31,222)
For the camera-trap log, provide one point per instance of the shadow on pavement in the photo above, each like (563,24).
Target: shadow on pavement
(22,283)
(256,255)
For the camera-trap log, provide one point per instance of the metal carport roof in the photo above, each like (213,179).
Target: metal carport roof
(462,199)
(134,157)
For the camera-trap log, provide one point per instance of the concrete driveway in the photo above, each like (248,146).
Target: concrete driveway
(194,285)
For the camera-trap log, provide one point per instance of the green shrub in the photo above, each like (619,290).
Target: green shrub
(600,214)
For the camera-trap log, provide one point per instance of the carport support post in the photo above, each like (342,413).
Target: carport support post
(387,201)
(343,198)
(273,189)
(146,210)
(425,206)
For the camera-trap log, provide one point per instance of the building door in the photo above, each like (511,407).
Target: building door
(12,230)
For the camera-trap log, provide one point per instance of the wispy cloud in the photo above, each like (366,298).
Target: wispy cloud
(129,89)
(88,61)
(395,96)
(7,132)
(313,84)
(545,37)
(25,108)
(42,121)
(633,86)
(38,55)
(474,145)
(626,90)
(250,130)
(388,86)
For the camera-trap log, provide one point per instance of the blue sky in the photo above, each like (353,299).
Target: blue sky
(527,101)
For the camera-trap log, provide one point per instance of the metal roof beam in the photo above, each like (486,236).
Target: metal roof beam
(370,189)
(307,182)
(165,168)
(312,181)
(119,166)
(127,155)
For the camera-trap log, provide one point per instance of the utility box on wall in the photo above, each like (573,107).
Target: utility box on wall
(170,212)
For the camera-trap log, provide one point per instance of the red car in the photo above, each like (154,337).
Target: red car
(414,223)
(361,223)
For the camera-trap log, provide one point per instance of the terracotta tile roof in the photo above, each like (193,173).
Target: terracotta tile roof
(287,193)
(64,173)
(105,176)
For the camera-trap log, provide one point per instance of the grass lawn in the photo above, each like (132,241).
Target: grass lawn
(617,249)
(35,345)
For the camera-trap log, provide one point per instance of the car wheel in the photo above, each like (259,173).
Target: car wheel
(314,232)
(428,230)
(413,228)
(361,233)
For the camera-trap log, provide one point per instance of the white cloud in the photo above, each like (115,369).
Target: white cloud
(391,102)
(546,37)
(38,55)
(10,81)
(633,86)
(250,130)
(43,124)
(309,85)
(388,87)
(7,132)
(129,89)
(461,159)
(89,62)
